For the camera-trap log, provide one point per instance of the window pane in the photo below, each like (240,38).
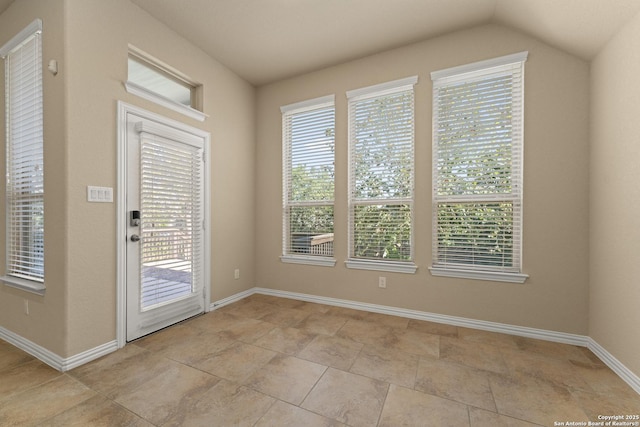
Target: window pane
(312,155)
(382,232)
(475,234)
(474,136)
(160,83)
(311,230)
(383,147)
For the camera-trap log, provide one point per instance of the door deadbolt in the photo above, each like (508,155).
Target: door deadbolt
(134,218)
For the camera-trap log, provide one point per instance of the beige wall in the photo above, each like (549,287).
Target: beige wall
(46,322)
(78,311)
(555,252)
(614,315)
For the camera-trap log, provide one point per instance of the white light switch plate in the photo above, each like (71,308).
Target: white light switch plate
(99,194)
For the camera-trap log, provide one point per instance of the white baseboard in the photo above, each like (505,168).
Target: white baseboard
(616,366)
(561,337)
(50,358)
(230,300)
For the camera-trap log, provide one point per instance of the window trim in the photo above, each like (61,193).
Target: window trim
(471,72)
(36,286)
(301,107)
(353,96)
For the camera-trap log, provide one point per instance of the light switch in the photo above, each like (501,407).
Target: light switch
(99,194)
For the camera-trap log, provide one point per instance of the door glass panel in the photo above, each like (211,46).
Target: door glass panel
(171,218)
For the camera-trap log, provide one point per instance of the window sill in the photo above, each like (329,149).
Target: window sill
(391,266)
(37,288)
(134,89)
(309,260)
(492,276)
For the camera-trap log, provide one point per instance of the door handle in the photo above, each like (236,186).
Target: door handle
(135,238)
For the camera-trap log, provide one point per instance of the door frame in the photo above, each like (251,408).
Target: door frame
(123,109)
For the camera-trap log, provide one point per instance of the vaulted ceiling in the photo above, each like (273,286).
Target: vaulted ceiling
(267,40)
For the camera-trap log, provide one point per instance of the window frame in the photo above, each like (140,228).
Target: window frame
(324,102)
(193,111)
(380,264)
(30,282)
(478,71)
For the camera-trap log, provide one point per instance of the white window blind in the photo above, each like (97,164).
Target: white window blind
(308,177)
(171,179)
(381,172)
(477,165)
(24,159)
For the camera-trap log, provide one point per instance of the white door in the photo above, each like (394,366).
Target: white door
(165,204)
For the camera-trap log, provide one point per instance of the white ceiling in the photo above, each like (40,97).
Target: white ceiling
(267,40)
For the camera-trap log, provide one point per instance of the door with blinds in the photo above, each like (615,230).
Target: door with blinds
(165,225)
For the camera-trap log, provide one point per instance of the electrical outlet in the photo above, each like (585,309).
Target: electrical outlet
(236,273)
(382,282)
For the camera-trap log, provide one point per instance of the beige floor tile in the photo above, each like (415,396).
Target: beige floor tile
(121,371)
(414,342)
(168,393)
(365,332)
(561,372)
(320,323)
(433,328)
(482,418)
(456,382)
(97,412)
(263,298)
(392,366)
(225,404)
(285,317)
(251,309)
(474,355)
(603,380)
(351,399)
(284,414)
(215,321)
(284,302)
(516,381)
(286,378)
(486,337)
(347,312)
(598,404)
(533,400)
(167,338)
(285,340)
(237,362)
(247,330)
(395,322)
(195,349)
(24,376)
(332,351)
(551,349)
(405,407)
(312,307)
(11,356)
(38,404)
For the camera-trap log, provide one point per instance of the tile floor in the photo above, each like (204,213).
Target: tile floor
(267,361)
